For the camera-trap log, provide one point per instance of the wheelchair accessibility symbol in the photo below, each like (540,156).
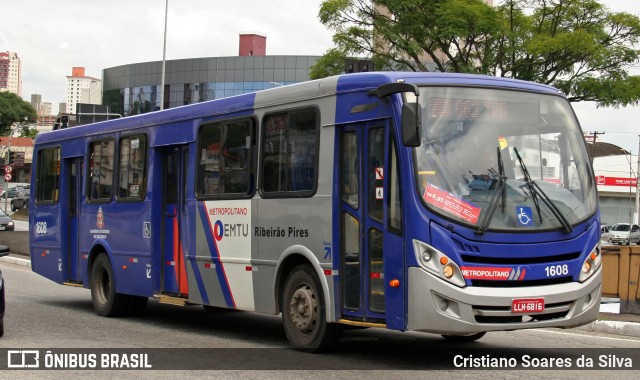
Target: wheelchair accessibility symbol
(525,216)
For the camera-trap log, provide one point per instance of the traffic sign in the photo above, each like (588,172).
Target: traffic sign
(7,169)
(7,177)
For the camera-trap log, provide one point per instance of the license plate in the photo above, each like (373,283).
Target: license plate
(527,305)
(1,228)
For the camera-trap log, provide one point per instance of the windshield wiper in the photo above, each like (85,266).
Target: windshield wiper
(536,192)
(493,203)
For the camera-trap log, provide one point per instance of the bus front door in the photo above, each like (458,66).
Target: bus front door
(174,278)
(367,245)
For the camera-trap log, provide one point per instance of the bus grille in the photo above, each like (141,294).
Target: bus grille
(517,284)
(519,260)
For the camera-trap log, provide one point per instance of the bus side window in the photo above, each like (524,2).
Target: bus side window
(290,153)
(101,168)
(225,163)
(48,175)
(133,153)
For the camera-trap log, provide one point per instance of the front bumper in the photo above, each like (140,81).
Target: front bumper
(617,240)
(436,306)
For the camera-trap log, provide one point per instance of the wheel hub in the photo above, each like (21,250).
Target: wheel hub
(303,308)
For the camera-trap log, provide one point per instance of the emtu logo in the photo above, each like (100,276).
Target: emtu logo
(218,230)
(233,230)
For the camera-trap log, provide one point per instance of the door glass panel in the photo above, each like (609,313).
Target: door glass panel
(351,262)
(171,178)
(395,193)
(375,159)
(350,169)
(376,271)
(73,189)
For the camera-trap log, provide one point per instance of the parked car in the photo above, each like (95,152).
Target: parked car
(17,191)
(605,232)
(620,234)
(20,202)
(4,250)
(6,223)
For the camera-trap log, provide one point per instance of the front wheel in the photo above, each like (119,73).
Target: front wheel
(465,338)
(106,302)
(304,312)
(13,207)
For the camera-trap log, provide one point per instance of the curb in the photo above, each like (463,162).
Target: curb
(16,261)
(631,329)
(612,327)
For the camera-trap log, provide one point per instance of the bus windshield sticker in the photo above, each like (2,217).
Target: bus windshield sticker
(450,203)
(525,216)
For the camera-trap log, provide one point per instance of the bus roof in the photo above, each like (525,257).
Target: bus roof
(245,103)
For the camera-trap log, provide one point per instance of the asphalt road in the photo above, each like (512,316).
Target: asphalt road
(43,315)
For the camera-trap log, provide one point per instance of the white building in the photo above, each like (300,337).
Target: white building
(10,73)
(616,177)
(82,89)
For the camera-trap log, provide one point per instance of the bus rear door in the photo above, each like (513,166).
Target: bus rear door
(174,277)
(73,169)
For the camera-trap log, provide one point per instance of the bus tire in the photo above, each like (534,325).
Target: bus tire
(464,338)
(106,302)
(304,312)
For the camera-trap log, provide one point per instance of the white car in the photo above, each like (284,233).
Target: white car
(620,234)
(605,233)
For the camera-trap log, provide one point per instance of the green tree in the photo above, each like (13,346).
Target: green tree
(29,132)
(14,110)
(578,46)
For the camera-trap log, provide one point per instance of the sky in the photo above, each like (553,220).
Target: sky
(51,37)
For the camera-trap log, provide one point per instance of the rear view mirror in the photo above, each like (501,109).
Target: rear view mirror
(411,117)
(411,124)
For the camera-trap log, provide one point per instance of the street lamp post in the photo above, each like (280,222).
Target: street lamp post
(164,55)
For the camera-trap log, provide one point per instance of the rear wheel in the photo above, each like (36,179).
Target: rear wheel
(304,312)
(106,302)
(1,328)
(13,206)
(464,338)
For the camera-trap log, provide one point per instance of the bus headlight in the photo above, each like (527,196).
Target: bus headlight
(438,264)
(591,264)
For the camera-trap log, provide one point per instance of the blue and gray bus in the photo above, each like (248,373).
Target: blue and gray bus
(444,203)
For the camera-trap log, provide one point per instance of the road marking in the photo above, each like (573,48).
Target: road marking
(583,335)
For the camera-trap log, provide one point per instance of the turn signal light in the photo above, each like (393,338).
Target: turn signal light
(395,283)
(444,260)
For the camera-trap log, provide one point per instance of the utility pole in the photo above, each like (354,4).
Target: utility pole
(637,209)
(595,135)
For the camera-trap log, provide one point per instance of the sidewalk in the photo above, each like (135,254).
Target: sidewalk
(610,320)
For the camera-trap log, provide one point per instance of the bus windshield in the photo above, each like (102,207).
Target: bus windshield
(500,160)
